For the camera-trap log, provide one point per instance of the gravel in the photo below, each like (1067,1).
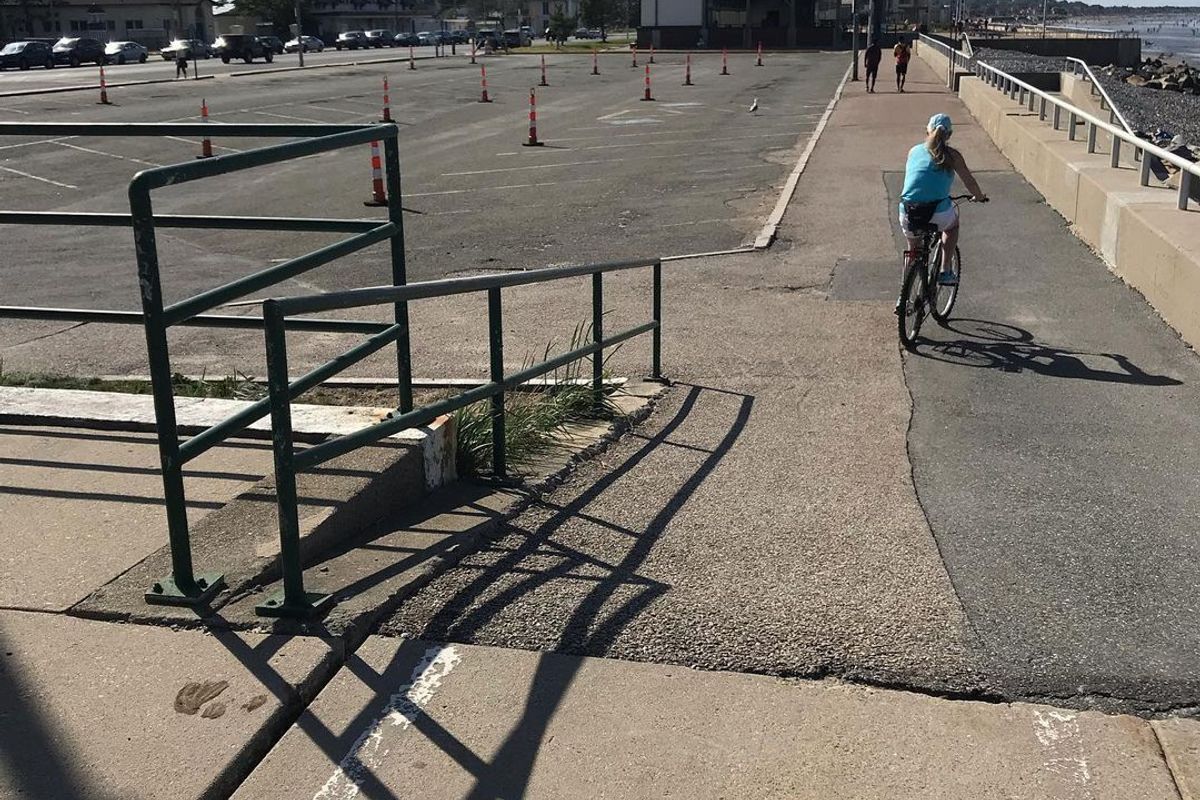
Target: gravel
(1014,61)
(1147,109)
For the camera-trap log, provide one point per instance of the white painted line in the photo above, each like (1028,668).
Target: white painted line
(36,178)
(375,743)
(502,188)
(197,142)
(671,111)
(39,141)
(581,163)
(637,121)
(110,155)
(769,228)
(14,111)
(288,116)
(788,134)
(614,114)
(731,252)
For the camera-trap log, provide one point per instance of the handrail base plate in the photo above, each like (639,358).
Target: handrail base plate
(167,593)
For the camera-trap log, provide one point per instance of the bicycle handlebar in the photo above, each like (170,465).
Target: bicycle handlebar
(957,197)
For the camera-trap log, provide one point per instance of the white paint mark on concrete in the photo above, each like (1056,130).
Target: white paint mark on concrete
(14,111)
(401,711)
(502,188)
(637,121)
(197,143)
(614,115)
(107,154)
(38,178)
(1058,732)
(290,116)
(39,141)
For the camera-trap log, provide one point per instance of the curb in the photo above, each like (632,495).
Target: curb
(274,70)
(96,88)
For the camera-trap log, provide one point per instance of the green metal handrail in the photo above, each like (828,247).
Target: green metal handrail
(184,586)
(294,600)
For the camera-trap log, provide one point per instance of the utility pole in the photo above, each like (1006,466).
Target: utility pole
(299,32)
(853,37)
(1045,3)
(875,31)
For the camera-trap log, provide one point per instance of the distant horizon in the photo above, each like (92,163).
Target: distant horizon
(1147,4)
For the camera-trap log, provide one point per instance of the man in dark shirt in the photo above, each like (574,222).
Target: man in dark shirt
(871,58)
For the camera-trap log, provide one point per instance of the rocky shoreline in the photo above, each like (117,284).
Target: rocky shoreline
(1148,109)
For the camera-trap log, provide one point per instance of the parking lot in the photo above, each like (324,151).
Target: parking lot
(694,171)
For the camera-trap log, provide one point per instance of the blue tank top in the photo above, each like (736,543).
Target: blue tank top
(924,181)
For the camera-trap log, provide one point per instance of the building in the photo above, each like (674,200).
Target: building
(733,23)
(537,13)
(153,24)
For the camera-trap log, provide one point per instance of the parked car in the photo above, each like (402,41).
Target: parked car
(460,37)
(311,45)
(350,40)
(76,50)
(241,45)
(125,53)
(23,55)
(483,37)
(584,33)
(425,37)
(380,38)
(517,38)
(189,46)
(272,43)
(407,39)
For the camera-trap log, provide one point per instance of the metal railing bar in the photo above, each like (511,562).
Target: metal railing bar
(1103,94)
(186,309)
(211,437)
(341,362)
(201,321)
(158,177)
(95,219)
(239,129)
(379,295)
(318,454)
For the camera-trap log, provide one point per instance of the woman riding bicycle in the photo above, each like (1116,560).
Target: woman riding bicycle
(925,199)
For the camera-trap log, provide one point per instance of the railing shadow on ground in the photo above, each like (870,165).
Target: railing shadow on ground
(1008,348)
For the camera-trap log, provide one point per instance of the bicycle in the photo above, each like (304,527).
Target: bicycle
(921,292)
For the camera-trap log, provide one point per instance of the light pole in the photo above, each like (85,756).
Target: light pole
(853,37)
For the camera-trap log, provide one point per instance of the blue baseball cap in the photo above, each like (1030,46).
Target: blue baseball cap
(940,121)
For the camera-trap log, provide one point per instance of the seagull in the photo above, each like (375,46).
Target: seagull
(754,106)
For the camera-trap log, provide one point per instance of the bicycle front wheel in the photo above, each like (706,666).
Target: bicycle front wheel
(945,294)
(912,303)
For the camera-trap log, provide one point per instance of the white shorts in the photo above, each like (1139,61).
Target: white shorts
(944,220)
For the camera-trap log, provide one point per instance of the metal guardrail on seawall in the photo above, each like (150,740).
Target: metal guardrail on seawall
(1047,104)
(1078,67)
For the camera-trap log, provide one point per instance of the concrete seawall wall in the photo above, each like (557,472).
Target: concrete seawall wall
(1138,230)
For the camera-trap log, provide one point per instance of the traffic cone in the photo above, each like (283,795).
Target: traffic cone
(647,96)
(544,82)
(533,139)
(687,70)
(387,102)
(595,63)
(633,49)
(724,60)
(759,63)
(472,51)
(378,195)
(103,89)
(205,143)
(483,97)
(651,54)
(411,63)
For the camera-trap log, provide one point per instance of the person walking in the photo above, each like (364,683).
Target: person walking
(902,54)
(872,56)
(181,57)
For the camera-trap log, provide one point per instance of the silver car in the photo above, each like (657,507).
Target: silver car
(125,53)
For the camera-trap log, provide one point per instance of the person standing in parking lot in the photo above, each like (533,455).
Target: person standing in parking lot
(181,56)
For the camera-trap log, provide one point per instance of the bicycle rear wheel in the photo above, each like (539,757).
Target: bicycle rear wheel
(945,295)
(912,303)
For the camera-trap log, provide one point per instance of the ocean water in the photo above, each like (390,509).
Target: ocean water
(1176,37)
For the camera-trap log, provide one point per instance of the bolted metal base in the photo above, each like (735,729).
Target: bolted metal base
(276,606)
(375,203)
(661,379)
(533,144)
(167,593)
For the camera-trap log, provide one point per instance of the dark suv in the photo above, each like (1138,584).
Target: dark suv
(272,43)
(75,51)
(241,45)
(351,40)
(24,55)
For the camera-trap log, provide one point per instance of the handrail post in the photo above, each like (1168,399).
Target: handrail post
(597,337)
(391,158)
(1042,110)
(183,587)
(496,357)
(1091,137)
(1185,189)
(1071,122)
(1115,160)
(1145,177)
(656,315)
(293,602)
(1057,116)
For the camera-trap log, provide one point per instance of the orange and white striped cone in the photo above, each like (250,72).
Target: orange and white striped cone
(387,102)
(483,96)
(412,64)
(103,89)
(687,70)
(646,95)
(205,143)
(759,63)
(544,82)
(378,195)
(633,49)
(651,54)
(595,63)
(724,60)
(533,137)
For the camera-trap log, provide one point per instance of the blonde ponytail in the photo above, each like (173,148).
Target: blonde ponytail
(935,143)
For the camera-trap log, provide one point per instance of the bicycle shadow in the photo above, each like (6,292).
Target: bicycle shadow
(1009,348)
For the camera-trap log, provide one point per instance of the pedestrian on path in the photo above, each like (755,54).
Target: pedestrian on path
(902,54)
(872,56)
(181,58)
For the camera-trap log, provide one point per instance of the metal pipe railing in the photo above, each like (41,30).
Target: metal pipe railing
(1076,64)
(1188,170)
